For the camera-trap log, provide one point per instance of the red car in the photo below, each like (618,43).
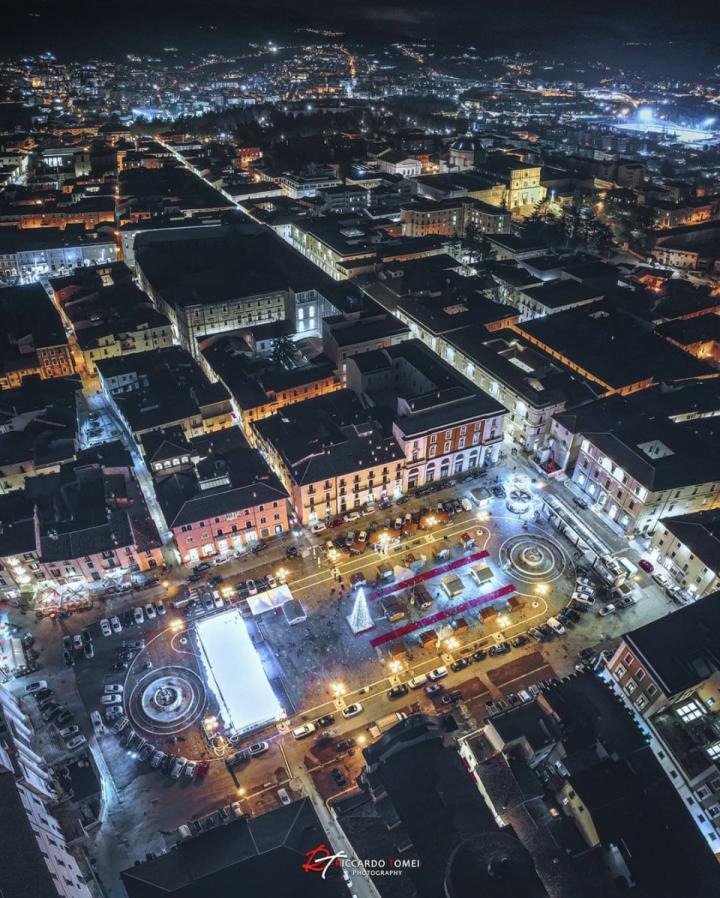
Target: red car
(336,522)
(647,566)
(203,768)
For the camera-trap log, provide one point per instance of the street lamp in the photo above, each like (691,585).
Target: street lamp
(451,643)
(431,521)
(503,621)
(281,574)
(542,589)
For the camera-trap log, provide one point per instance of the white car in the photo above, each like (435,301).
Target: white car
(190,769)
(150,611)
(556,626)
(76,742)
(31,688)
(69,732)
(418,681)
(138,615)
(318,528)
(466,503)
(305,730)
(105,627)
(251,587)
(218,600)
(110,699)
(178,768)
(258,748)
(438,673)
(352,710)
(236,808)
(97,722)
(116,625)
(113,689)
(608,609)
(160,608)
(351,516)
(77,642)
(271,582)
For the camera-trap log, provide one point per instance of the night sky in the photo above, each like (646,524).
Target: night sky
(87,27)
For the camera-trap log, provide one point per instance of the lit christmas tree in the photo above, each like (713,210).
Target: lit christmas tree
(359,618)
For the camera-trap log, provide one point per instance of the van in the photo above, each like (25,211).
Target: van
(417,682)
(382,725)
(481,573)
(305,730)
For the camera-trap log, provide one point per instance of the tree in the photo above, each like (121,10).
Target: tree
(284,352)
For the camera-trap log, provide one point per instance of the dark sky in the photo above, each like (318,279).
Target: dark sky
(87,27)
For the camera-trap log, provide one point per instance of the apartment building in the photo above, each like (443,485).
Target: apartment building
(688,548)
(452,217)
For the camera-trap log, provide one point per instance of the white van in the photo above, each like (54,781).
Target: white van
(418,681)
(305,730)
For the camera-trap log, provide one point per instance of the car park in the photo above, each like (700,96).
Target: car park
(76,742)
(138,615)
(352,710)
(105,627)
(397,691)
(258,748)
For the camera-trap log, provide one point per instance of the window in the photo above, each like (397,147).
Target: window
(714,751)
(640,676)
(691,711)
(651,690)
(630,687)
(628,659)
(619,672)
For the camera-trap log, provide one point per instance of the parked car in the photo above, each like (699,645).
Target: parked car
(258,748)
(50,710)
(351,516)
(438,673)
(479,655)
(518,641)
(418,681)
(97,723)
(580,502)
(251,587)
(450,698)
(352,710)
(63,718)
(35,687)
(116,625)
(110,699)
(397,691)
(150,611)
(178,767)
(460,664)
(326,720)
(555,625)
(190,769)
(318,528)
(77,642)
(138,615)
(535,634)
(345,744)
(76,742)
(105,627)
(203,768)
(69,732)
(304,730)
(156,758)
(160,608)
(89,651)
(113,688)
(608,609)
(502,648)
(625,602)
(646,565)
(433,688)
(202,567)
(43,695)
